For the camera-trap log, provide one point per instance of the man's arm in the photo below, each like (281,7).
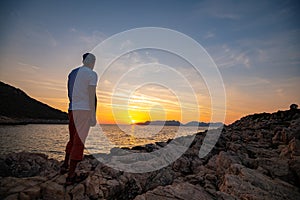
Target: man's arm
(93,103)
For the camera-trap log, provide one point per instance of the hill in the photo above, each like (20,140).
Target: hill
(16,107)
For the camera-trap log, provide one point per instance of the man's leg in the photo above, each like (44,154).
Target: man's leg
(82,124)
(72,132)
(66,161)
(73,165)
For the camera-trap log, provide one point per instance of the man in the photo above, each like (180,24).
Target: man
(82,83)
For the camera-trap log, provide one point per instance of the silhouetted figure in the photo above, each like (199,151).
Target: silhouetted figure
(82,83)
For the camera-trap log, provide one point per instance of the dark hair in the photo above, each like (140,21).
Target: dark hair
(85,55)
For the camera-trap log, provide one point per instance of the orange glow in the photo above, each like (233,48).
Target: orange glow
(137,111)
(140,112)
(133,114)
(141,108)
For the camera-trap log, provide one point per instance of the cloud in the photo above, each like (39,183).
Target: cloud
(209,35)
(226,56)
(86,40)
(231,10)
(227,16)
(92,39)
(126,66)
(276,51)
(251,81)
(73,30)
(28,65)
(46,84)
(37,33)
(126,45)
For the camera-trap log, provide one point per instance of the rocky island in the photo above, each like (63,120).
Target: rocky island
(256,157)
(178,123)
(160,123)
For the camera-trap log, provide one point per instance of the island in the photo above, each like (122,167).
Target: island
(160,123)
(178,123)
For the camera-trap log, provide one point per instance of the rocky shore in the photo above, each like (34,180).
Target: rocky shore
(256,157)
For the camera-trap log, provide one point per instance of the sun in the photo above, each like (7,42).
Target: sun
(133,121)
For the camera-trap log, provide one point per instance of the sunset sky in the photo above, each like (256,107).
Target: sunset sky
(255,45)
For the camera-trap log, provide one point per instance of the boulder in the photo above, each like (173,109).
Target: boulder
(53,190)
(245,183)
(176,191)
(29,186)
(26,164)
(92,185)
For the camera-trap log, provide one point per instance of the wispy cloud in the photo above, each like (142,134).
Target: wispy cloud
(28,65)
(209,34)
(34,33)
(126,44)
(227,16)
(52,41)
(231,10)
(280,49)
(88,39)
(227,57)
(47,85)
(93,39)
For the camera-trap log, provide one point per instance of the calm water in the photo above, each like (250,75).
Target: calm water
(51,139)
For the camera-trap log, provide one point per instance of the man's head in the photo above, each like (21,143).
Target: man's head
(89,60)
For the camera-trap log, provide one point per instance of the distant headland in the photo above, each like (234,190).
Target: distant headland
(178,123)
(16,107)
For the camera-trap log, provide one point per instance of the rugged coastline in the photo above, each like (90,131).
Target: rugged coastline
(256,157)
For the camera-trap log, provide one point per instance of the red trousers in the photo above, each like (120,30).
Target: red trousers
(79,125)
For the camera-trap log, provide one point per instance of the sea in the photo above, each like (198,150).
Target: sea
(51,139)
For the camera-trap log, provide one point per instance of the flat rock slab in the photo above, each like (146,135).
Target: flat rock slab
(176,191)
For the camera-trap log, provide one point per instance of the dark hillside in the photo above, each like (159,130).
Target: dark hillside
(16,104)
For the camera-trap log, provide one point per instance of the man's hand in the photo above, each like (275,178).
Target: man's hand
(93,120)
(93,104)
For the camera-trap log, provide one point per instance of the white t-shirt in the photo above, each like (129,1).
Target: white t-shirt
(78,82)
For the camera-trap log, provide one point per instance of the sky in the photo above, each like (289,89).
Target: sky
(254,44)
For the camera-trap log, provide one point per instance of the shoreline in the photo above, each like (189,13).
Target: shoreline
(8,122)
